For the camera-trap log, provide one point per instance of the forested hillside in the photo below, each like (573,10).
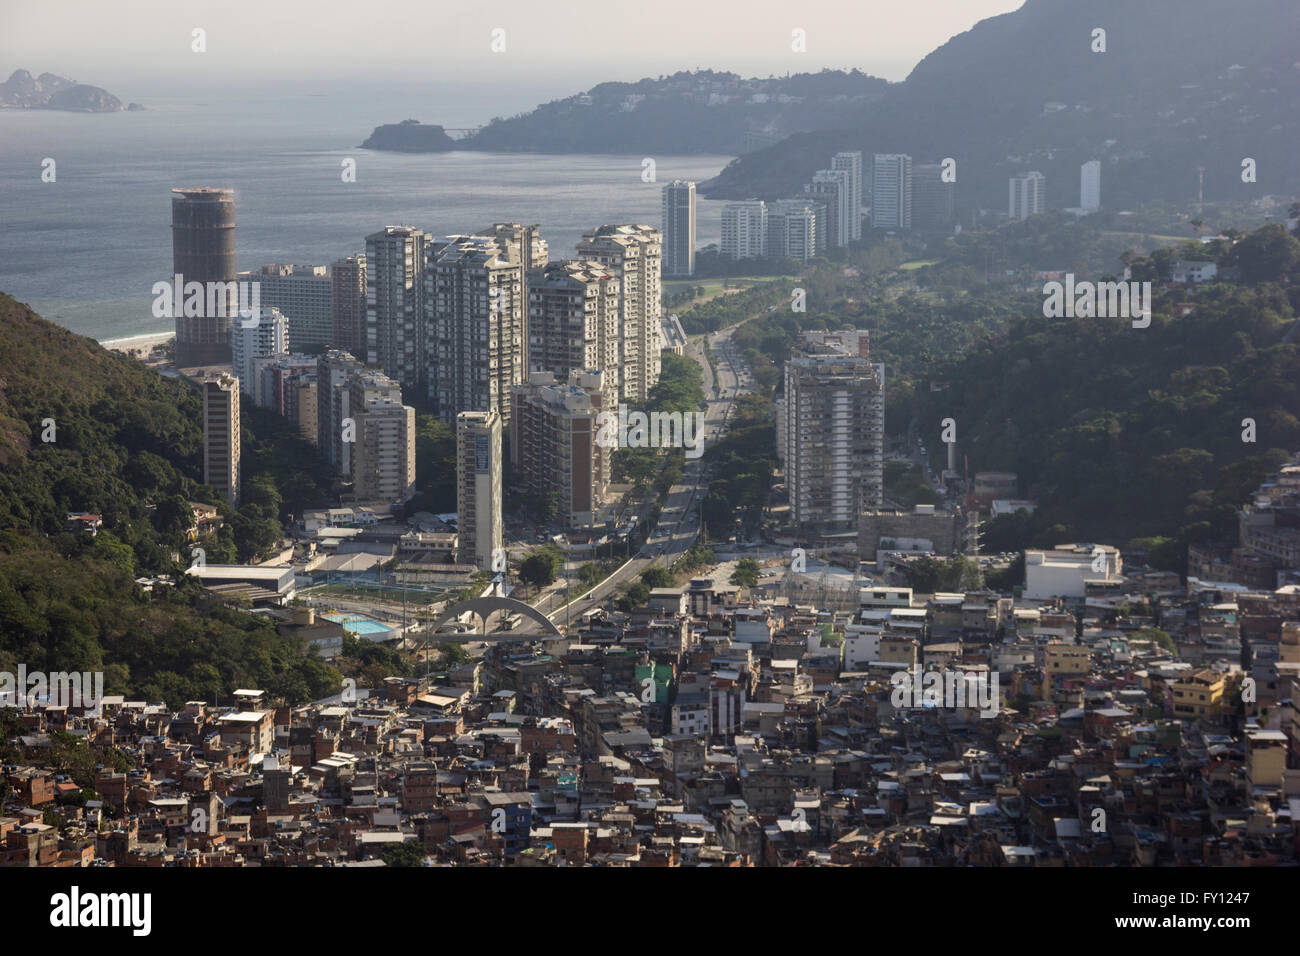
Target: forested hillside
(123,442)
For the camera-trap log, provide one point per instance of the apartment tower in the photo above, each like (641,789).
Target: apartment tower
(834,431)
(633,254)
(553,447)
(395,323)
(203,250)
(891,191)
(573,318)
(477,327)
(478,487)
(850,163)
(1028,195)
(679,228)
(348,302)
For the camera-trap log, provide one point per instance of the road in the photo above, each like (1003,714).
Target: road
(679,521)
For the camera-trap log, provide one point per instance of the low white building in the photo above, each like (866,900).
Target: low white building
(1065,570)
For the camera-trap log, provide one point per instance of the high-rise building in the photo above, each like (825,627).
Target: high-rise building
(304,294)
(478,487)
(521,245)
(553,446)
(333,369)
(932,199)
(348,298)
(679,228)
(834,431)
(383,454)
(255,334)
(203,250)
(573,318)
(792,229)
(633,253)
(221,433)
(831,188)
(744,229)
(287,386)
(850,162)
(891,191)
(477,326)
(395,320)
(778,406)
(1027,195)
(1090,185)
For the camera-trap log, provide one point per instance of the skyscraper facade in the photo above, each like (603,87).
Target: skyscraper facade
(573,319)
(1028,195)
(633,254)
(744,229)
(932,199)
(679,228)
(348,301)
(333,369)
(395,320)
(304,295)
(478,487)
(891,191)
(477,326)
(850,162)
(831,188)
(553,446)
(221,434)
(256,334)
(792,229)
(383,453)
(834,431)
(1090,185)
(203,250)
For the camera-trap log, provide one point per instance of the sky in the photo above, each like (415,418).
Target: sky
(134,46)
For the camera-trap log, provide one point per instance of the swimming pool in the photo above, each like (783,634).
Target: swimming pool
(358,624)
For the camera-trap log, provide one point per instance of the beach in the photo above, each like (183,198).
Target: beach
(138,346)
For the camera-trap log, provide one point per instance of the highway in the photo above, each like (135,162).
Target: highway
(679,522)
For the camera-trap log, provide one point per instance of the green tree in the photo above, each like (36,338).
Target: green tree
(746,573)
(540,567)
(409,853)
(657,577)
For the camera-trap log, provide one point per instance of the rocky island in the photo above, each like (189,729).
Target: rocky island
(22,91)
(410,136)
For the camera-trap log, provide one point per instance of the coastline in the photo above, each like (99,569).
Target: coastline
(138,346)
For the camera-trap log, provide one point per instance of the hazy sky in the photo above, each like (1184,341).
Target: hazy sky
(148,42)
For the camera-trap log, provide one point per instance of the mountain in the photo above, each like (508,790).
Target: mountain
(50,92)
(84,429)
(1181,84)
(688,112)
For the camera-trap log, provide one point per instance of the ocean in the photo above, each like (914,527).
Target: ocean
(85,250)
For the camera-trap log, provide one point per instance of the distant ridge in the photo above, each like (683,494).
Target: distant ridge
(701,112)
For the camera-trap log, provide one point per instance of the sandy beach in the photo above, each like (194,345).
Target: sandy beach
(138,346)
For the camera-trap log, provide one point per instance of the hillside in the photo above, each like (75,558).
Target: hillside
(688,112)
(1182,84)
(125,444)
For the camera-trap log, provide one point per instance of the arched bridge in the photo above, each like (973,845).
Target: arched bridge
(483,607)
